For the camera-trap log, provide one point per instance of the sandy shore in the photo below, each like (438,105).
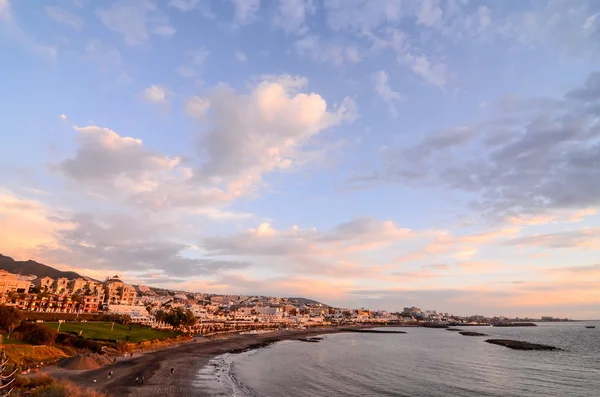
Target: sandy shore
(187,359)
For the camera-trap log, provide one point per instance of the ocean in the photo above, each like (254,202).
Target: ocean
(422,362)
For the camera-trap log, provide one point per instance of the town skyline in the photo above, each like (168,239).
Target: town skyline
(130,293)
(362,153)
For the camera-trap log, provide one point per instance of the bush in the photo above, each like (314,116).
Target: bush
(123,346)
(78,342)
(37,334)
(64,389)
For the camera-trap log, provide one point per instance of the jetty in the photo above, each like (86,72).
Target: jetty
(372,331)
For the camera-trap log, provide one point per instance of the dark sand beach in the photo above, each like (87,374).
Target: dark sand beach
(187,359)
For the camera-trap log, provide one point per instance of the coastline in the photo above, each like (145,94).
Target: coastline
(187,359)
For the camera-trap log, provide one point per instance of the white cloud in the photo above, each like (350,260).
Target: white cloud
(245,11)
(430,13)
(263,131)
(196,107)
(335,53)
(191,5)
(361,15)
(106,57)
(63,116)
(433,73)
(244,136)
(5,12)
(136,20)
(290,15)
(590,21)
(193,66)
(240,56)
(14,31)
(157,94)
(385,92)
(59,15)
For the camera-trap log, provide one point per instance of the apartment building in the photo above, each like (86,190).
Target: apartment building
(13,283)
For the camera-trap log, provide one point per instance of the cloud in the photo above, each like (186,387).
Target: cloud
(106,57)
(430,13)
(361,15)
(59,15)
(197,107)
(63,116)
(136,20)
(433,73)
(590,21)
(547,159)
(385,92)
(290,15)
(583,238)
(241,56)
(29,222)
(193,66)
(272,125)
(157,94)
(14,31)
(245,11)
(192,5)
(104,154)
(329,253)
(337,54)
(131,242)
(273,130)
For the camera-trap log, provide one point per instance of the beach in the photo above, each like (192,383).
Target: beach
(187,359)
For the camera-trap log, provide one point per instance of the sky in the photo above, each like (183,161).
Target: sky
(364,153)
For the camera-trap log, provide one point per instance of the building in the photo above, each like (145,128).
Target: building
(12,283)
(46,284)
(116,292)
(138,314)
(78,285)
(61,286)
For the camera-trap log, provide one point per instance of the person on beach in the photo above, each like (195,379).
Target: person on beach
(172,369)
(109,374)
(142,380)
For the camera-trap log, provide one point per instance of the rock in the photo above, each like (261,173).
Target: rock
(454,329)
(519,345)
(515,325)
(470,333)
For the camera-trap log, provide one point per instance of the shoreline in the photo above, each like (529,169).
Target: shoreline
(187,359)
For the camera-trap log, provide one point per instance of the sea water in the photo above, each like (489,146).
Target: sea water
(422,362)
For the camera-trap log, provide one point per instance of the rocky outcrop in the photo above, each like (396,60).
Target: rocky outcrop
(454,329)
(372,331)
(470,333)
(519,345)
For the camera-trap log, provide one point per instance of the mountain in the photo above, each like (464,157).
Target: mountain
(305,301)
(32,267)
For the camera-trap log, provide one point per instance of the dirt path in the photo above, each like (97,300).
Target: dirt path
(187,360)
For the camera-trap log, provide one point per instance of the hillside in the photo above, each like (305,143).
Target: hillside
(32,267)
(305,301)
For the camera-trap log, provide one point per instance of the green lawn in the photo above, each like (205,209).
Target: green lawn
(102,330)
(12,341)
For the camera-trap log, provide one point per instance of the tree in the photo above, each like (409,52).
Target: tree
(37,334)
(10,319)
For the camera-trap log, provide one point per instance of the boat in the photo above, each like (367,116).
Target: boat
(590,326)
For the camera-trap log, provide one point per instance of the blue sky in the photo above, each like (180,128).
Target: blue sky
(365,153)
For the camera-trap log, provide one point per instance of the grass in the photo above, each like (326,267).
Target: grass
(33,354)
(102,330)
(12,341)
